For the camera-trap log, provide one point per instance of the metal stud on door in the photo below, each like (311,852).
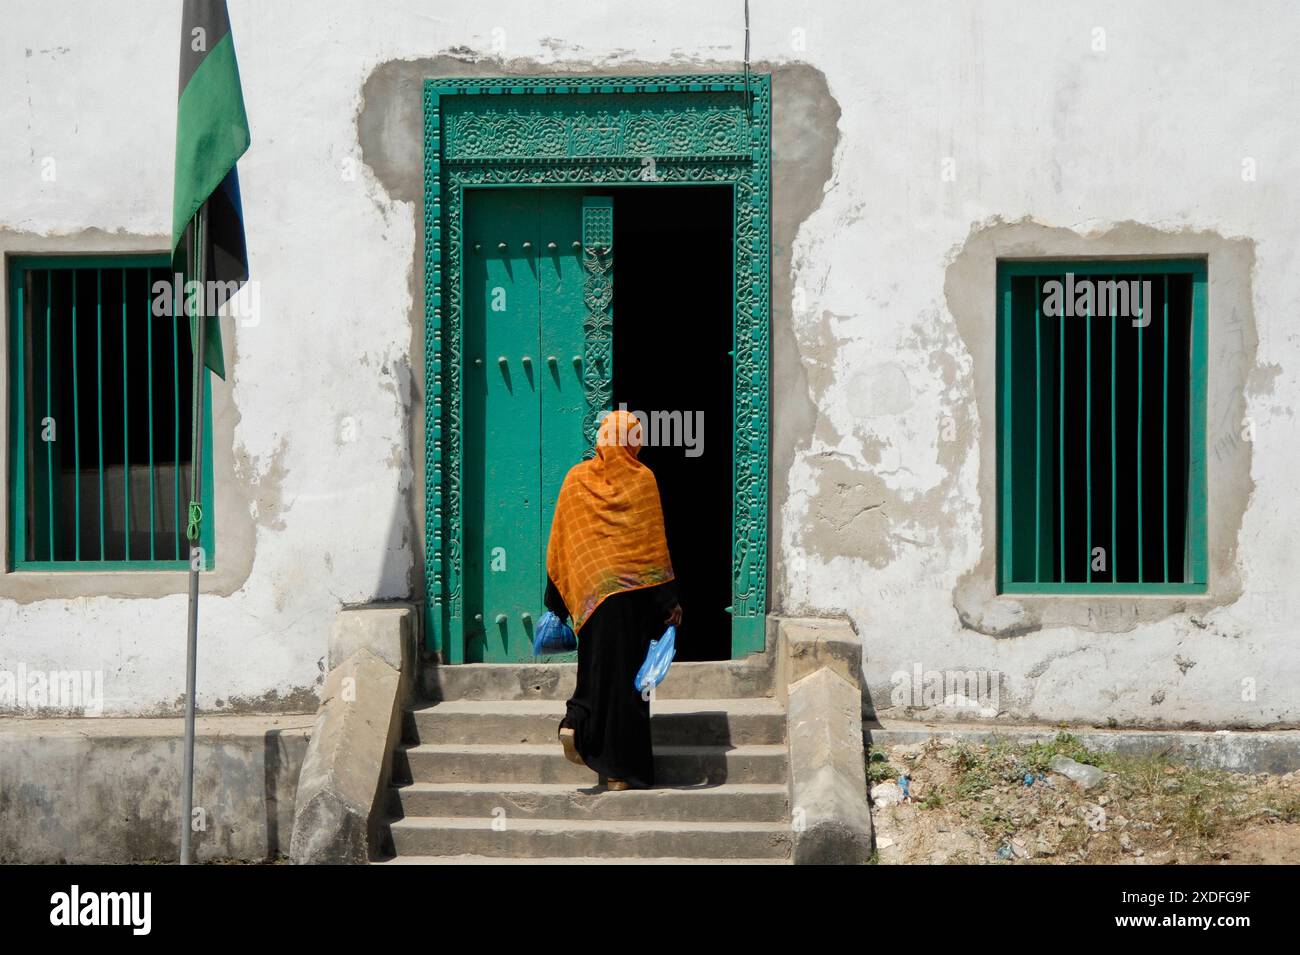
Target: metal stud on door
(502,405)
(539,359)
(563,316)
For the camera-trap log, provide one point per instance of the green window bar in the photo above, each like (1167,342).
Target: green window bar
(1101,437)
(77,432)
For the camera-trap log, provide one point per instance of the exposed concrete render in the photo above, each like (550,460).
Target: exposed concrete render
(348,764)
(897,183)
(1236,373)
(805,135)
(807,644)
(235,476)
(820,679)
(107,790)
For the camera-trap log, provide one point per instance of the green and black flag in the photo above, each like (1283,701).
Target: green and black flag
(211,135)
(208,238)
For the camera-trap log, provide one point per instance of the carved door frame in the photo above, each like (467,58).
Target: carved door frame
(595,131)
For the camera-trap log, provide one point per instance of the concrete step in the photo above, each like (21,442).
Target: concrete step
(737,722)
(586,860)
(545,763)
(753,802)
(723,679)
(554,838)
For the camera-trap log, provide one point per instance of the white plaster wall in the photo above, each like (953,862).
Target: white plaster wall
(1154,130)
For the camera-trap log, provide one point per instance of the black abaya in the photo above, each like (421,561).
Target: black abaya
(609,718)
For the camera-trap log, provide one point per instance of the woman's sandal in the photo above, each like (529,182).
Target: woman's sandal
(617,785)
(570,746)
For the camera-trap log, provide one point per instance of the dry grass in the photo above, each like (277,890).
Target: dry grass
(971,803)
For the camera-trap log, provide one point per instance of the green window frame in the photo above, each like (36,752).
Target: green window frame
(1101,431)
(76,320)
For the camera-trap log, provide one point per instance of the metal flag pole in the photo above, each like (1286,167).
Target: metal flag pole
(748,103)
(194,518)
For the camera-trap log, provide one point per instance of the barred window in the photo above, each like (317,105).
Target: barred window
(1101,412)
(100,411)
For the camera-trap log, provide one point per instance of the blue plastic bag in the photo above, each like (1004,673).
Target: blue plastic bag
(655,667)
(553,635)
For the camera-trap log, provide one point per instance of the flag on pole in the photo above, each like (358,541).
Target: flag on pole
(211,135)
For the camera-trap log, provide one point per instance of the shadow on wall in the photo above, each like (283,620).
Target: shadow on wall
(401,570)
(105,791)
(272,766)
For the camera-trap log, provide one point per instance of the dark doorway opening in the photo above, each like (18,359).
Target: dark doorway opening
(673,333)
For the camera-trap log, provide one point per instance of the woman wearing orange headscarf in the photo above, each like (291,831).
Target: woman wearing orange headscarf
(607,564)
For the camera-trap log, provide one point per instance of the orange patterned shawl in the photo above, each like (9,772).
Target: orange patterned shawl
(608,532)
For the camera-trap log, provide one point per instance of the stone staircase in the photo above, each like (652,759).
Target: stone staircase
(479,776)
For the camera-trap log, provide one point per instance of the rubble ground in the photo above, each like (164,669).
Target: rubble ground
(949,801)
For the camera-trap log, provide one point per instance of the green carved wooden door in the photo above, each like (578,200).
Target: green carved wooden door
(537,371)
